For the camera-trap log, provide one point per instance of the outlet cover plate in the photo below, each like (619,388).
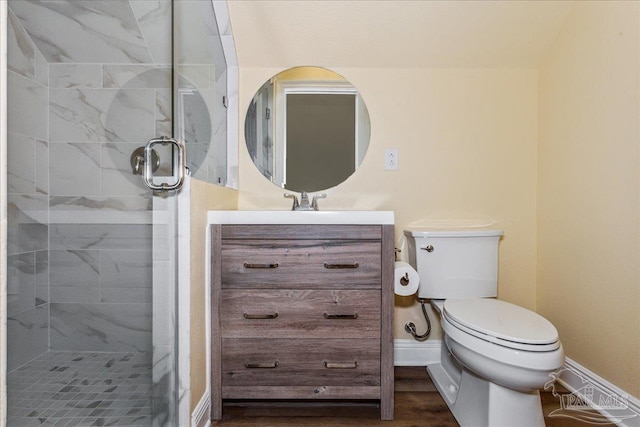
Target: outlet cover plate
(391,159)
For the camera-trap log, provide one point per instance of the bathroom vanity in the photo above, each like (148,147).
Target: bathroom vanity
(302,306)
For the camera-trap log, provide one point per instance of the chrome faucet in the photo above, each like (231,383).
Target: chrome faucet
(314,203)
(303,204)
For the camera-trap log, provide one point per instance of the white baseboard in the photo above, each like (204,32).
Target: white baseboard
(409,352)
(201,416)
(589,389)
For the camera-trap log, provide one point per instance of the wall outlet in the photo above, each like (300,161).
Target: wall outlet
(391,159)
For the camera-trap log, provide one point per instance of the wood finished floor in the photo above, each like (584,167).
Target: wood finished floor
(417,404)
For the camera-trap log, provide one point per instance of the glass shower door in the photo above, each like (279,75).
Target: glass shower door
(91,251)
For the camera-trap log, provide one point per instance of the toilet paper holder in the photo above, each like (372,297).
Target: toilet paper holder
(404,280)
(410,327)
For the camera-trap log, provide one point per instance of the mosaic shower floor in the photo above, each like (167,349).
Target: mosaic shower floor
(81,389)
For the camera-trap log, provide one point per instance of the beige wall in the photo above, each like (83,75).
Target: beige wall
(589,185)
(204,197)
(551,155)
(467,155)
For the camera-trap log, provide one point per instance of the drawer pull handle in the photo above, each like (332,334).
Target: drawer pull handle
(340,316)
(250,265)
(339,266)
(259,316)
(261,365)
(331,365)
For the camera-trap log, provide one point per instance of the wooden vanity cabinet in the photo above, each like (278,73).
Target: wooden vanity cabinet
(302,312)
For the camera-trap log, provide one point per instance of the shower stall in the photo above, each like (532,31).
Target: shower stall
(92,270)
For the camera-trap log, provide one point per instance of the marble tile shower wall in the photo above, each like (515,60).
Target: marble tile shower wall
(100,232)
(27,200)
(89,81)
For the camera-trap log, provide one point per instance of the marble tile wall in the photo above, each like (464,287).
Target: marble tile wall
(84,31)
(136,33)
(86,91)
(27,198)
(101,232)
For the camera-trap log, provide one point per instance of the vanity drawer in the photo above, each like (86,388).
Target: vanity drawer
(300,362)
(285,263)
(300,313)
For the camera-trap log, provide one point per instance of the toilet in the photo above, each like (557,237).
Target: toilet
(495,356)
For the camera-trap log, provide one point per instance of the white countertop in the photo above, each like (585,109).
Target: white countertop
(302,217)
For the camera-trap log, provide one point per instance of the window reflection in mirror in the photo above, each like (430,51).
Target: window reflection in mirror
(307,129)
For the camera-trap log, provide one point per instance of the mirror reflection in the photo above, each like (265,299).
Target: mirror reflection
(307,129)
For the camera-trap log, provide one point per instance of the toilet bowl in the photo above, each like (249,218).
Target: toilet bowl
(495,356)
(502,356)
(502,342)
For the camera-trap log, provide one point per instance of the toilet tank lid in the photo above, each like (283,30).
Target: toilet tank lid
(470,232)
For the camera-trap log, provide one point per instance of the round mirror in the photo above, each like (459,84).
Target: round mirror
(307,129)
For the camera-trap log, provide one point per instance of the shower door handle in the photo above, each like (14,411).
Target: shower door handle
(179,165)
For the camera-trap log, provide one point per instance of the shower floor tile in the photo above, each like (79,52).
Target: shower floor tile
(81,389)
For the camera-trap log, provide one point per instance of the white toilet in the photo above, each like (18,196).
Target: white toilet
(496,356)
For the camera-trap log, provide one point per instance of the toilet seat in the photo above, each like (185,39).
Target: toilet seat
(501,323)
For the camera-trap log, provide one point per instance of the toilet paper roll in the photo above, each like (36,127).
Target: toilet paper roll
(405,279)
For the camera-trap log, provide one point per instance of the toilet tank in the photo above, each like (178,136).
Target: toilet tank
(455,263)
